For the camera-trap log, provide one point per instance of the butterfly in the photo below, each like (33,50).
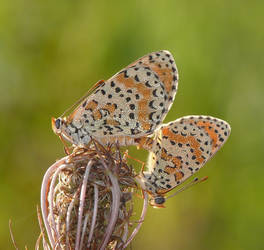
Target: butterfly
(178,150)
(131,104)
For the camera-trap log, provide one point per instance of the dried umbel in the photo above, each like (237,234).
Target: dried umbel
(86,201)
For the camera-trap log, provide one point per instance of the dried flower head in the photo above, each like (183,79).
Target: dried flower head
(86,200)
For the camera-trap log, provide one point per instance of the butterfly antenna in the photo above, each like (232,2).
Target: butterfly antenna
(99,83)
(190,184)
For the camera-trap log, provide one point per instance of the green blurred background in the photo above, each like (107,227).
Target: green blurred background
(52,52)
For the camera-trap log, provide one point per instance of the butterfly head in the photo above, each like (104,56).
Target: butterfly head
(157,201)
(56,124)
(59,127)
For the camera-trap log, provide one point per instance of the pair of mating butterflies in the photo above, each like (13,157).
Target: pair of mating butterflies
(129,109)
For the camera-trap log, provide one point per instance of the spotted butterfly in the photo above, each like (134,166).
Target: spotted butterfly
(129,105)
(178,150)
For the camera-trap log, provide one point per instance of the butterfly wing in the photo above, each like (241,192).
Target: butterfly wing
(181,148)
(131,103)
(163,64)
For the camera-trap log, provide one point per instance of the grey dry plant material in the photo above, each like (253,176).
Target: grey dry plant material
(86,201)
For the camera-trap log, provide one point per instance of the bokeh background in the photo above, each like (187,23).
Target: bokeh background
(52,52)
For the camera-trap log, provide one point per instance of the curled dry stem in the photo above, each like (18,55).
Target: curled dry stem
(86,201)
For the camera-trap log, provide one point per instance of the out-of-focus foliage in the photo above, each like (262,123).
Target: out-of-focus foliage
(52,52)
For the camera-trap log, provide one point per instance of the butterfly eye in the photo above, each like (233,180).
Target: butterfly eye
(58,123)
(159,200)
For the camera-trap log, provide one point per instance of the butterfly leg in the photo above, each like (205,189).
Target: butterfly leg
(65,146)
(126,155)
